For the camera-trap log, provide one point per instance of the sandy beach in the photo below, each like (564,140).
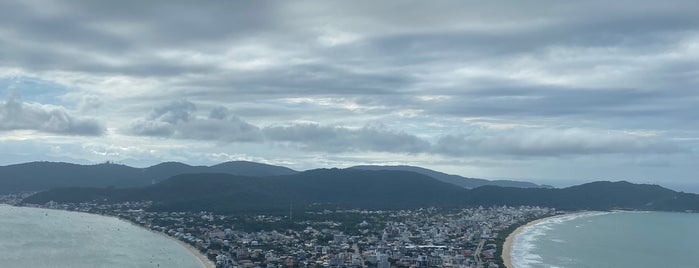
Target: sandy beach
(205,262)
(507,246)
(202,258)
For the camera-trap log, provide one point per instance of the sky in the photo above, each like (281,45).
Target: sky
(557,92)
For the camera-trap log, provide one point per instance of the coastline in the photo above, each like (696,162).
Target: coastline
(507,245)
(205,262)
(202,258)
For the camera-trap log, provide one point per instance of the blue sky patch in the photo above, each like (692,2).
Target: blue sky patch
(33,90)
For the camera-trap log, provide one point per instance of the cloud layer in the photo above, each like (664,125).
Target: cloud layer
(475,88)
(179,120)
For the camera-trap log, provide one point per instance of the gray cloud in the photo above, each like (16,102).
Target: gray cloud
(552,143)
(180,111)
(18,115)
(89,103)
(314,137)
(387,56)
(565,74)
(178,120)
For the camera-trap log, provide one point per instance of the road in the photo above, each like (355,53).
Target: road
(477,255)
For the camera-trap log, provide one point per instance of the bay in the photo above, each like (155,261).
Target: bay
(33,237)
(609,239)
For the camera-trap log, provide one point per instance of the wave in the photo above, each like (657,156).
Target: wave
(524,242)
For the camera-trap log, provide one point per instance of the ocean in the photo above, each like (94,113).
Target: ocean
(609,239)
(33,237)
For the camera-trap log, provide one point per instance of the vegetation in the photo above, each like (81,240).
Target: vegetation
(455,179)
(351,188)
(39,176)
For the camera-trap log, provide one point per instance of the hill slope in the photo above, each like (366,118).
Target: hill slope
(246,168)
(465,182)
(44,175)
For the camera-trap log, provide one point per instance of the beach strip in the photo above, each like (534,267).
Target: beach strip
(202,258)
(205,262)
(507,246)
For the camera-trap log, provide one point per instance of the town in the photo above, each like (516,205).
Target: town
(426,237)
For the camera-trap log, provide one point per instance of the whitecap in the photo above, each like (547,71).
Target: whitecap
(523,251)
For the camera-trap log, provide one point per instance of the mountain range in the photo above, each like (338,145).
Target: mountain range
(375,189)
(465,182)
(38,176)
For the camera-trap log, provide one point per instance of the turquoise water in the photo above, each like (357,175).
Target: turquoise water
(611,239)
(31,237)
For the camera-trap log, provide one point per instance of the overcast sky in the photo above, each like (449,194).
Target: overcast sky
(557,92)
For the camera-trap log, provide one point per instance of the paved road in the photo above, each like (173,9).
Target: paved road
(479,262)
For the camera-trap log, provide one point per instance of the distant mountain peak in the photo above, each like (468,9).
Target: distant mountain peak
(171,163)
(248,168)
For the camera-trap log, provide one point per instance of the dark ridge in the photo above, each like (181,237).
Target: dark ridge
(246,168)
(464,182)
(38,176)
(372,189)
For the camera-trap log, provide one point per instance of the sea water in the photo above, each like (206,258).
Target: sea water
(32,237)
(610,239)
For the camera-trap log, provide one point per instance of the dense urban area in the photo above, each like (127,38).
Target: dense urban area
(426,237)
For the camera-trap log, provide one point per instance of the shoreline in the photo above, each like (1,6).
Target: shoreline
(507,245)
(205,262)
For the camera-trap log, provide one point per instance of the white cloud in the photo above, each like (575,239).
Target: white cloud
(179,120)
(18,115)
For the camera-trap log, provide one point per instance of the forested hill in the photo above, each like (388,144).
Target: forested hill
(455,179)
(37,176)
(380,189)
(333,187)
(600,195)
